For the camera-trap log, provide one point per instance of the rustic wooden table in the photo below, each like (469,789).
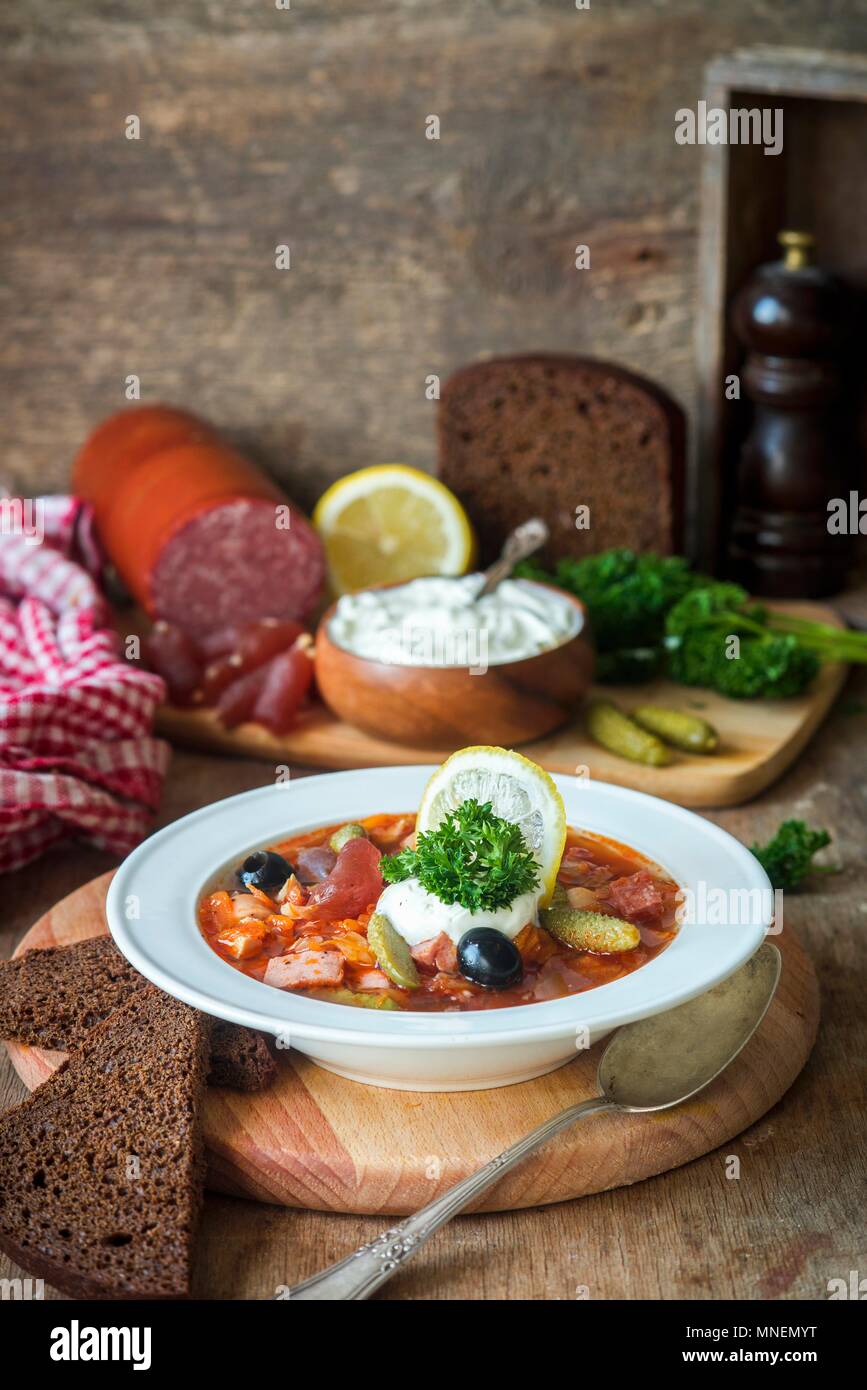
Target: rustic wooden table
(792,1221)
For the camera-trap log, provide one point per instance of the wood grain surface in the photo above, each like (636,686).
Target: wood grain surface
(759,739)
(306,127)
(316,1140)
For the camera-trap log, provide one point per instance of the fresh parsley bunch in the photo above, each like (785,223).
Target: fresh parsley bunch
(771,664)
(473,858)
(627,595)
(787,859)
(652,615)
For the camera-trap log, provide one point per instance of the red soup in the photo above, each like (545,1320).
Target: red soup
(309,935)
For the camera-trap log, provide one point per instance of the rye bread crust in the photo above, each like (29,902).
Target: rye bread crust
(540,434)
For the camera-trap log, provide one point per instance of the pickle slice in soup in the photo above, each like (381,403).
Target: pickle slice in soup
(588,931)
(393,956)
(354,997)
(352,831)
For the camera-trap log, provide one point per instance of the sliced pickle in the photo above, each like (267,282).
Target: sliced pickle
(675,726)
(588,931)
(608,725)
(352,831)
(355,998)
(393,956)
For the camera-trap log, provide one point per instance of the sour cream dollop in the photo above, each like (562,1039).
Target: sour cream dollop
(419,915)
(442,622)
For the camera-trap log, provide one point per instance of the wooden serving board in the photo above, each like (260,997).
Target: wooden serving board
(759,739)
(316,1140)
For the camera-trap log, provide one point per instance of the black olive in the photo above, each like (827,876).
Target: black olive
(265,869)
(488,958)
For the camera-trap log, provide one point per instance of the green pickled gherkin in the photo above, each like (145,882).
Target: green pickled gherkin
(685,731)
(352,831)
(354,997)
(610,727)
(588,931)
(393,956)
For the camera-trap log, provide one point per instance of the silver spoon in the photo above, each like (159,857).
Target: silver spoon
(520,543)
(649,1065)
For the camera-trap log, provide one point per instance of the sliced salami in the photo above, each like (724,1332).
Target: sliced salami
(261,640)
(232,563)
(289,678)
(248,648)
(169,651)
(238,700)
(221,642)
(219,675)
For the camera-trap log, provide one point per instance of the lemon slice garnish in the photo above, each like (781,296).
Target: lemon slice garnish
(518,790)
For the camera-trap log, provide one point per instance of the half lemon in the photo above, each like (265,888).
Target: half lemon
(518,790)
(390,524)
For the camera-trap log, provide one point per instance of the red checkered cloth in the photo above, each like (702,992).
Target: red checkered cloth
(77,755)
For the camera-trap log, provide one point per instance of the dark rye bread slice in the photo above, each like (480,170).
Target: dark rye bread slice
(102,1168)
(52,998)
(541,435)
(240,1058)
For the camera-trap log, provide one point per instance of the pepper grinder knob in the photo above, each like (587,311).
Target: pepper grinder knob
(798,247)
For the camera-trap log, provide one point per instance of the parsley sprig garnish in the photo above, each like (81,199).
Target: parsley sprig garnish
(787,859)
(473,858)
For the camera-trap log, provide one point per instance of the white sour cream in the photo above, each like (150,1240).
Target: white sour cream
(418,915)
(440,622)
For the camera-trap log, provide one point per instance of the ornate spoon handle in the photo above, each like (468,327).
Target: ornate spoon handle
(368,1268)
(520,543)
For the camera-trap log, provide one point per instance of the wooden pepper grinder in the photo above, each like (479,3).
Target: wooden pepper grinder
(796,456)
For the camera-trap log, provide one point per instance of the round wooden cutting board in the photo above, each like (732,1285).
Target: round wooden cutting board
(316,1140)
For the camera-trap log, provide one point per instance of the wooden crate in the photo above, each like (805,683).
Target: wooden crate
(817,183)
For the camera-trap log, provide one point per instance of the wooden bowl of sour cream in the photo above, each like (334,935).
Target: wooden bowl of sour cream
(424,664)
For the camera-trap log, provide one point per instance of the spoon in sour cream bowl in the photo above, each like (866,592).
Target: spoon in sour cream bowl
(523,541)
(652,1064)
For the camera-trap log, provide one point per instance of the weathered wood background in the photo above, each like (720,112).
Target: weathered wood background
(306,127)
